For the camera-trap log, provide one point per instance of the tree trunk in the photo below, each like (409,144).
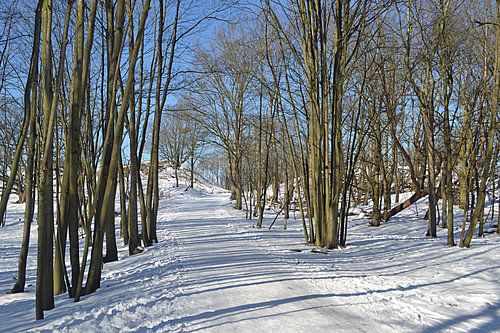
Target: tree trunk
(44,298)
(31,113)
(431,176)
(134,241)
(191,170)
(28,108)
(488,154)
(69,192)
(123,205)
(407,203)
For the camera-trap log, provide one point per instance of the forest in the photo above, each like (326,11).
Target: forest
(310,108)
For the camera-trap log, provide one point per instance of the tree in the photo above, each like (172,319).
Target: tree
(103,211)
(175,138)
(162,91)
(490,139)
(44,283)
(227,70)
(30,114)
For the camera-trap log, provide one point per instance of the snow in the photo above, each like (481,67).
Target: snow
(213,272)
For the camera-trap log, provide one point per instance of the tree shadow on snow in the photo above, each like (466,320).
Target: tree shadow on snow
(491,314)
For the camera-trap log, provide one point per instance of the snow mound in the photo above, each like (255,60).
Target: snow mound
(168,183)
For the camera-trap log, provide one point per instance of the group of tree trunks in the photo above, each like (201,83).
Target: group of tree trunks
(314,105)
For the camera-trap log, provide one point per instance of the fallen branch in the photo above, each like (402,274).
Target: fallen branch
(405,204)
(275,218)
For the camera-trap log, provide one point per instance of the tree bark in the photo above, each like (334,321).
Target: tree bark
(44,296)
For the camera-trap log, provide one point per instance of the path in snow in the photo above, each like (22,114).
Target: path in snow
(231,283)
(389,279)
(211,271)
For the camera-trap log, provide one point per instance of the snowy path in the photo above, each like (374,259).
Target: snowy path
(213,272)
(232,284)
(389,279)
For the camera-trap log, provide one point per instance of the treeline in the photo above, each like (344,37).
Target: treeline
(312,105)
(95,87)
(336,103)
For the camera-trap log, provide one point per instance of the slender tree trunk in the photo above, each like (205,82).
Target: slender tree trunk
(44,286)
(30,108)
(488,154)
(375,221)
(431,177)
(124,216)
(69,194)
(134,241)
(191,170)
(444,201)
(31,81)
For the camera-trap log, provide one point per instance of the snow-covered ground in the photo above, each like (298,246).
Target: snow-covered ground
(212,271)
